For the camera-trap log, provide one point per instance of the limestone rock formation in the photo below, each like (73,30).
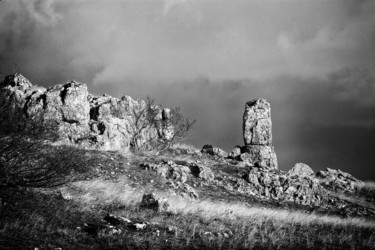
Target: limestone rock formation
(257,134)
(337,180)
(275,184)
(260,156)
(101,122)
(257,123)
(301,169)
(169,170)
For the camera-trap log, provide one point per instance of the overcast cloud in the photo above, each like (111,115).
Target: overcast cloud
(313,60)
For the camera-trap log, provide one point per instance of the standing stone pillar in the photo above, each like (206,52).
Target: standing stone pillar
(257,133)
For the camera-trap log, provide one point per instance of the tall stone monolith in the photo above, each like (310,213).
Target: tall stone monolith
(257,134)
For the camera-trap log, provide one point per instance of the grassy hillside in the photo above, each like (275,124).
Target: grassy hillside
(101,211)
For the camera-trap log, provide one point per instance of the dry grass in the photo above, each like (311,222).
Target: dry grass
(46,222)
(185,146)
(204,222)
(107,192)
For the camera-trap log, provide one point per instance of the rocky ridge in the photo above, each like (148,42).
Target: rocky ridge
(337,180)
(101,122)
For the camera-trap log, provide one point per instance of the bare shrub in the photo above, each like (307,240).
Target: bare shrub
(27,159)
(147,119)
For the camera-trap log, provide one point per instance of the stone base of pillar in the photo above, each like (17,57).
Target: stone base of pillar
(259,155)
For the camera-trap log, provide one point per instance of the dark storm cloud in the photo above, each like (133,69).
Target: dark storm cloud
(313,60)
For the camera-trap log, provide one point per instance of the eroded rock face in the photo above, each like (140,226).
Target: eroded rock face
(102,122)
(257,133)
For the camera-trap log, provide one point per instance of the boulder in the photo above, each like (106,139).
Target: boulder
(157,203)
(236,152)
(208,149)
(301,169)
(211,150)
(202,171)
(220,152)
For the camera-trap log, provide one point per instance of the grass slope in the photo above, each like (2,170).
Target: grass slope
(54,218)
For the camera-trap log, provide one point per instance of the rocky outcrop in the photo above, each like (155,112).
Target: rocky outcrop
(169,170)
(101,122)
(275,184)
(335,179)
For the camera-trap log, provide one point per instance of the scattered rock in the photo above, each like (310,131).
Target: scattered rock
(189,192)
(202,171)
(159,204)
(116,220)
(169,170)
(139,226)
(236,152)
(209,149)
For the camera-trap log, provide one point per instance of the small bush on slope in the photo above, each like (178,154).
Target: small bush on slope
(149,117)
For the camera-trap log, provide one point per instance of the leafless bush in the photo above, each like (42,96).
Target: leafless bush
(27,158)
(148,124)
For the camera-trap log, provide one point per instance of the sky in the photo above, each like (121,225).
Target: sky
(312,60)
